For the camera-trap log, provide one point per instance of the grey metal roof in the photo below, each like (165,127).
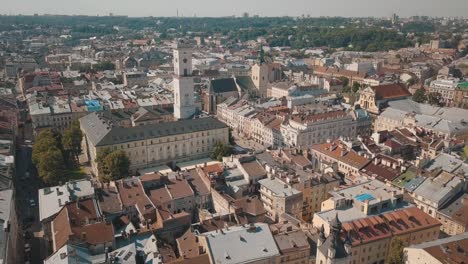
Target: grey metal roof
(278,187)
(445,162)
(242,245)
(100,133)
(224,85)
(439,189)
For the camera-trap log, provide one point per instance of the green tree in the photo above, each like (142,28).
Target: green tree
(221,150)
(434,98)
(51,166)
(118,165)
(410,82)
(344,80)
(419,96)
(232,140)
(100,160)
(112,165)
(71,140)
(104,66)
(44,141)
(356,87)
(464,153)
(395,254)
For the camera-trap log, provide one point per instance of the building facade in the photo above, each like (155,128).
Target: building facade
(153,144)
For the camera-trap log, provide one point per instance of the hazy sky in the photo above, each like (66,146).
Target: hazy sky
(348,8)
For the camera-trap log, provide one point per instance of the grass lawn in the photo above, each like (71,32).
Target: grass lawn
(405,177)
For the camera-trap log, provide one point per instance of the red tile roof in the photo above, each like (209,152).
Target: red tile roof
(390,91)
(397,223)
(340,152)
(82,221)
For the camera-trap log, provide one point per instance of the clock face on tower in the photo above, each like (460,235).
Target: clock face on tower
(185,60)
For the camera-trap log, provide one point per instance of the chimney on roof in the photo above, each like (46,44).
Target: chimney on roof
(252,228)
(376,161)
(343,152)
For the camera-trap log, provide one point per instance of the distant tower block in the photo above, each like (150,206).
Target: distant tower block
(184,101)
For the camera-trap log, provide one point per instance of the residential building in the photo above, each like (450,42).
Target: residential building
(237,114)
(294,169)
(435,192)
(370,239)
(176,195)
(134,78)
(454,215)
(265,129)
(9,230)
(332,72)
(280,198)
(444,121)
(460,98)
(81,223)
(191,249)
(135,203)
(440,251)
(52,199)
(306,129)
(253,243)
(292,243)
(359,201)
(337,155)
(445,87)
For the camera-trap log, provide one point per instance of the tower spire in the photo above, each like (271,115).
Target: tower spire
(261,55)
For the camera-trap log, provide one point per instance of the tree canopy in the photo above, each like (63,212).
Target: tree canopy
(434,98)
(221,150)
(112,165)
(419,96)
(71,140)
(395,254)
(55,155)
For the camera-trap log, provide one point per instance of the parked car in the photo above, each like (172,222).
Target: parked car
(27,235)
(32,203)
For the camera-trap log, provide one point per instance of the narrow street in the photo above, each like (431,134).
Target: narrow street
(27,185)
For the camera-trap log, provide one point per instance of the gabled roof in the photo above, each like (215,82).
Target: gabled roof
(390,91)
(224,85)
(245,83)
(100,133)
(81,221)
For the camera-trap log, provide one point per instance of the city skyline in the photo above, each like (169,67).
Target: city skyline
(314,8)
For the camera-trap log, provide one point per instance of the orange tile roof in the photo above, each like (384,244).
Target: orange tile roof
(82,221)
(311,118)
(390,91)
(453,252)
(397,223)
(132,194)
(338,151)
